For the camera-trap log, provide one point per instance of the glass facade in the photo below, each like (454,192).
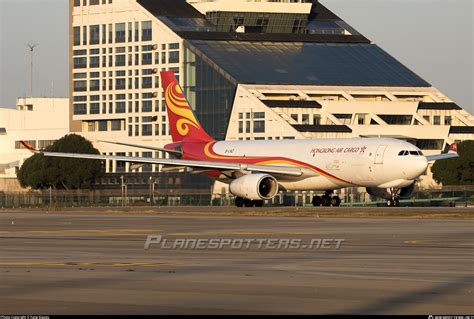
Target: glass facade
(209,93)
(258,22)
(298,63)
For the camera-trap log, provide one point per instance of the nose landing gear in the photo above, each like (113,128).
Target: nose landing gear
(395,200)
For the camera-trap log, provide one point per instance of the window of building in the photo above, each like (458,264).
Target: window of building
(294,117)
(241,126)
(147,106)
(146,31)
(116,125)
(80,86)
(104,34)
(316,119)
(120,84)
(120,60)
(396,119)
(94,2)
(94,62)
(427,118)
(94,85)
(80,52)
(130,32)
(110,33)
(77,3)
(147,129)
(80,75)
(82,98)
(305,119)
(173,46)
(147,58)
(19,145)
(429,144)
(147,48)
(94,108)
(119,107)
(119,32)
(173,57)
(437,120)
(147,82)
(102,125)
(137,31)
(259,126)
(84,35)
(448,120)
(80,63)
(80,108)
(94,33)
(360,119)
(344,118)
(77,35)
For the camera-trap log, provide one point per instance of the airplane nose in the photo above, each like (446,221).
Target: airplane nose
(420,166)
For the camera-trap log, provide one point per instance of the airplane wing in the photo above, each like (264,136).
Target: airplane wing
(207,165)
(452,153)
(145,147)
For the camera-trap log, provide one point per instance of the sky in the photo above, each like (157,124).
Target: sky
(434,38)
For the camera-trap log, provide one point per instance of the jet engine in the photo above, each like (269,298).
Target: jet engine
(255,186)
(385,193)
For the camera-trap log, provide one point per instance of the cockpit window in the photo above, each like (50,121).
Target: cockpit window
(405,153)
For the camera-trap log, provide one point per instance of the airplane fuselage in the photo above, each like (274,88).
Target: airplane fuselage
(328,163)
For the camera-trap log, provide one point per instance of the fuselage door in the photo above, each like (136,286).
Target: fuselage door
(379,154)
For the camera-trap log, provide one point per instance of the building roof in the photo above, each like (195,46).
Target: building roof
(170,8)
(298,63)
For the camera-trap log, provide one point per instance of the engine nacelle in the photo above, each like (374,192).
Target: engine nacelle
(254,186)
(384,193)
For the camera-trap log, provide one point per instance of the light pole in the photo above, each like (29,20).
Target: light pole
(123,190)
(31,46)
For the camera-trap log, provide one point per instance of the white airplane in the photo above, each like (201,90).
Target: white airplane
(257,170)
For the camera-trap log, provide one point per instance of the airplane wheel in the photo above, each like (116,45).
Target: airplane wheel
(326,201)
(239,201)
(317,201)
(258,203)
(248,203)
(336,201)
(393,202)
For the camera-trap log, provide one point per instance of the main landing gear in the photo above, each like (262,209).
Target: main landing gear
(326,200)
(241,202)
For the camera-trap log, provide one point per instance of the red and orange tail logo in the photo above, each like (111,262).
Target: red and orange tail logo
(183,123)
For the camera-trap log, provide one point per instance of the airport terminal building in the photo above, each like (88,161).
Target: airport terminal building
(252,70)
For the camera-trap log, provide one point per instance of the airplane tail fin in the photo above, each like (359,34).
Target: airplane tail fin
(182,121)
